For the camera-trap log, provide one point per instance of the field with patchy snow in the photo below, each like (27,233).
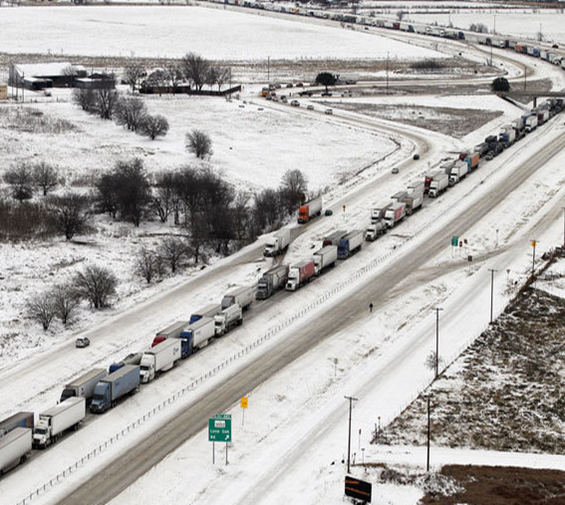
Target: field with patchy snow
(173,31)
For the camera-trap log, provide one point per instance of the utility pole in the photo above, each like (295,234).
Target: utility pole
(268,70)
(534,243)
(491,270)
(563,226)
(437,340)
(387,72)
(429,434)
(351,400)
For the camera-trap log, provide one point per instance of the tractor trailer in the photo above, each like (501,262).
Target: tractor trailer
(15,447)
(324,258)
(278,243)
(19,420)
(84,385)
(439,184)
(299,274)
(53,422)
(159,358)
(309,210)
(271,281)
(349,244)
(227,319)
(197,335)
(114,387)
(243,296)
(395,214)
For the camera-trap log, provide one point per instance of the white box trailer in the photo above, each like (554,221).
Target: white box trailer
(15,447)
(53,422)
(324,258)
(278,243)
(199,333)
(243,296)
(84,385)
(159,358)
(227,319)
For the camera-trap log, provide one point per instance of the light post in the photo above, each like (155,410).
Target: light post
(437,341)
(429,434)
(563,226)
(491,270)
(351,400)
(268,70)
(534,243)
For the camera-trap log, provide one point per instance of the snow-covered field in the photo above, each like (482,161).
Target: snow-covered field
(174,31)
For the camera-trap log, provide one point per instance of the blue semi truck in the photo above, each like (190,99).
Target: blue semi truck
(113,387)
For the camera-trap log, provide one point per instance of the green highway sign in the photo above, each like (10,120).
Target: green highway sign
(455,241)
(219,428)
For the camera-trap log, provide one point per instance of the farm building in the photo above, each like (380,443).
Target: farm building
(45,75)
(3,91)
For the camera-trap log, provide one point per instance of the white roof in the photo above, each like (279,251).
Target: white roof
(43,69)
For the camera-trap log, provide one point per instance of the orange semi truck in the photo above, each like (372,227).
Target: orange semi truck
(309,210)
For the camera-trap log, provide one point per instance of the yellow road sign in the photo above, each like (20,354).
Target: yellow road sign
(244,402)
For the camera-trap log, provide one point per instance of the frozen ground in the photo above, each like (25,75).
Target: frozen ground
(174,31)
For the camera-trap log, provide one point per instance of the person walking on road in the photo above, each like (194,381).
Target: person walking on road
(371,307)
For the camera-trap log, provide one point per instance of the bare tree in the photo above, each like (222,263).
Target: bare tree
(293,189)
(199,143)
(174,73)
(106,102)
(131,112)
(40,308)
(196,69)
(173,251)
(154,126)
(96,284)
(400,15)
(85,99)
(145,264)
(158,78)
(65,300)
(164,197)
(71,213)
(133,73)
(46,176)
(20,178)
(219,76)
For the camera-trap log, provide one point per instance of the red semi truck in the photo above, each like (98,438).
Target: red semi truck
(309,210)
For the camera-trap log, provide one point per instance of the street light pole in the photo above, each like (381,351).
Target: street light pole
(437,341)
(351,400)
(563,226)
(491,270)
(429,433)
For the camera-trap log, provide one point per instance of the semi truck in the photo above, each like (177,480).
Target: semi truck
(399,196)
(507,135)
(15,447)
(413,202)
(472,160)
(19,420)
(333,238)
(278,243)
(208,311)
(244,296)
(299,273)
(197,335)
(84,385)
(159,358)
(481,148)
(378,213)
(227,319)
(271,281)
(309,210)
(54,422)
(114,387)
(439,184)
(324,258)
(172,331)
(543,116)
(459,171)
(395,214)
(373,231)
(416,188)
(531,123)
(349,244)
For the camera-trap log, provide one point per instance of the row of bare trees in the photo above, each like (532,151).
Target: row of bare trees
(129,112)
(25,178)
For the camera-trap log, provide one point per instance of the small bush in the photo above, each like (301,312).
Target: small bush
(427,64)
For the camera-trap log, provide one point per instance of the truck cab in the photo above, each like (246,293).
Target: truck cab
(374,230)
(271,247)
(42,433)
(147,368)
(293,279)
(101,400)
(303,214)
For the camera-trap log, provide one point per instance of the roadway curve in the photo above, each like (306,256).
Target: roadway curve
(135,462)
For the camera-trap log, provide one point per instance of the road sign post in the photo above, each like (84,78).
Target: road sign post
(244,403)
(219,430)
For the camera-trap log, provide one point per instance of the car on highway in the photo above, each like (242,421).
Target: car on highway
(295,103)
(328,111)
(328,212)
(326,93)
(310,107)
(395,170)
(416,157)
(82,342)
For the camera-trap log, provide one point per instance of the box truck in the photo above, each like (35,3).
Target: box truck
(227,319)
(243,296)
(278,243)
(114,387)
(15,447)
(271,281)
(349,244)
(309,210)
(324,258)
(299,273)
(159,358)
(19,420)
(54,422)
(395,214)
(84,385)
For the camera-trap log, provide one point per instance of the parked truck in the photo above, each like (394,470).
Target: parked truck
(438,185)
(333,238)
(373,231)
(398,196)
(416,188)
(227,319)
(15,447)
(473,160)
(481,148)
(131,359)
(278,243)
(531,123)
(172,331)
(244,296)
(413,202)
(271,281)
(54,422)
(309,210)
(458,172)
(208,311)
(197,335)
(395,214)
(114,387)
(543,116)
(507,135)
(299,274)
(83,386)
(324,258)
(378,213)
(349,244)
(159,358)
(19,420)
